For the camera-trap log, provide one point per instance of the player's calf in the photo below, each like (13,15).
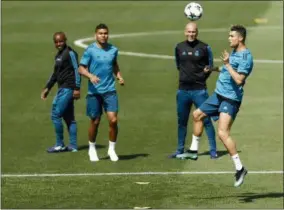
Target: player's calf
(198,117)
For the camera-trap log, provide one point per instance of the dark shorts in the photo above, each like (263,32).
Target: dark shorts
(216,104)
(97,102)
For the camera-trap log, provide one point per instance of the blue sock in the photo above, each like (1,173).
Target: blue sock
(210,131)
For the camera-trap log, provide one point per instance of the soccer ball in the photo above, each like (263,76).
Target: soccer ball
(193,11)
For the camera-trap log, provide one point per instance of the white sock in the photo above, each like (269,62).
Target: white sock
(194,143)
(111,145)
(92,145)
(237,162)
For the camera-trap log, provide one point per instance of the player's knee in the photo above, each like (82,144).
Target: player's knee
(223,134)
(113,121)
(197,115)
(96,121)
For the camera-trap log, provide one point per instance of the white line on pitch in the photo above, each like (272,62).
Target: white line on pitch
(145,55)
(136,174)
(80,43)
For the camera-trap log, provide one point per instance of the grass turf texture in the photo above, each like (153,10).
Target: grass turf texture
(147,118)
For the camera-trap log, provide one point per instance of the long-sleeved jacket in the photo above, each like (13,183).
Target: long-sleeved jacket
(191,59)
(65,70)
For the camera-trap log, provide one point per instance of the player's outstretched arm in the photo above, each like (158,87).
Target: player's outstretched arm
(83,70)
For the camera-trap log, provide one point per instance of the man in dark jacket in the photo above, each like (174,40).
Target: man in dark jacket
(193,60)
(68,79)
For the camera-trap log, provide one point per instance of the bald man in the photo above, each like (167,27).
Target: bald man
(193,59)
(68,79)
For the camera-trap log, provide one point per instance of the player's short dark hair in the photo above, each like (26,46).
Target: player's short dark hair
(241,30)
(101,26)
(59,33)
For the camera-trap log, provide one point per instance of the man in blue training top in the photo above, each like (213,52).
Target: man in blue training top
(226,100)
(99,64)
(69,81)
(193,59)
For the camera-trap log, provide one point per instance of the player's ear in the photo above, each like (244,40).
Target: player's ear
(241,39)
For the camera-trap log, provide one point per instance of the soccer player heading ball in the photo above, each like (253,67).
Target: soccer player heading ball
(226,100)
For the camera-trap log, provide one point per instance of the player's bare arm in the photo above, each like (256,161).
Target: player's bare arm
(238,78)
(83,70)
(117,73)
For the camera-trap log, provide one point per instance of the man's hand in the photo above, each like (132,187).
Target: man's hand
(207,69)
(94,79)
(76,94)
(120,80)
(225,57)
(44,94)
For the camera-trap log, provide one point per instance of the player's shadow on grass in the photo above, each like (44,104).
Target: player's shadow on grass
(219,152)
(250,197)
(129,157)
(84,147)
